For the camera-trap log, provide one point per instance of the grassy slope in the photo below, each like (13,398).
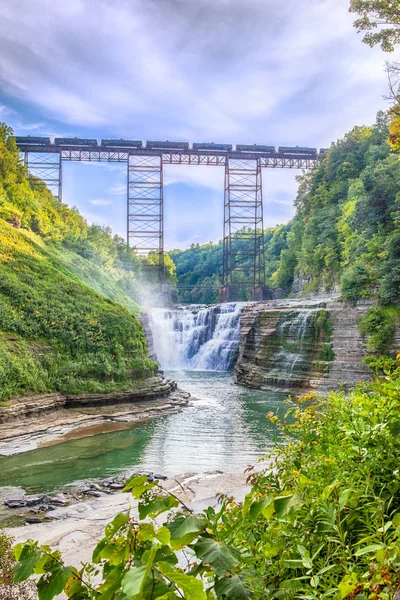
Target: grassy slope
(92,275)
(66,323)
(55,332)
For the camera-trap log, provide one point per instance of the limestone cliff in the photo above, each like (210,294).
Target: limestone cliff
(299,345)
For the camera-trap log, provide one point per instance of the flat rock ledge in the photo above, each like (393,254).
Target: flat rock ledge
(25,424)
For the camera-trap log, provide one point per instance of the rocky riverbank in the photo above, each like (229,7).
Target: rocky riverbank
(25,423)
(74,528)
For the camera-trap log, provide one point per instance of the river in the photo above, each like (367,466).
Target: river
(224,428)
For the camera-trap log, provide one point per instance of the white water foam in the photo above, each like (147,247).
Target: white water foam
(197,337)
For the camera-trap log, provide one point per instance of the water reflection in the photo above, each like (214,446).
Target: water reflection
(225,429)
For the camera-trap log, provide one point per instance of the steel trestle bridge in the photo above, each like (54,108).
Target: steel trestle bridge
(243,202)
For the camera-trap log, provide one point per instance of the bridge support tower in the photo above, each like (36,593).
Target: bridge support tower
(145,209)
(45,168)
(243,227)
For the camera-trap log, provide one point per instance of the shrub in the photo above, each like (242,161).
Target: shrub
(379,325)
(355,282)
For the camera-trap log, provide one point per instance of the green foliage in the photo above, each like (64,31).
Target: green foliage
(379,325)
(199,269)
(355,283)
(382,364)
(380,20)
(322,521)
(323,332)
(8,589)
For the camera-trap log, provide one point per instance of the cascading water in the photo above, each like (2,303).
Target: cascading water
(290,363)
(292,331)
(197,337)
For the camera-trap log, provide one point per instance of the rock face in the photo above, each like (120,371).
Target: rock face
(35,405)
(284,345)
(348,345)
(302,345)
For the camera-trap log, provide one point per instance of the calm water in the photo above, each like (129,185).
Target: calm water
(225,429)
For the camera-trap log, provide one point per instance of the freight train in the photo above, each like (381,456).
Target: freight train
(167,146)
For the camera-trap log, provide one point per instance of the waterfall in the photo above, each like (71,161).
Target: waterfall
(197,337)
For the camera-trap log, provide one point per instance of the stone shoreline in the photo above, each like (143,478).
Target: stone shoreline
(25,423)
(74,529)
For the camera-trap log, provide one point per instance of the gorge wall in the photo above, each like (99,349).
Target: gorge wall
(302,345)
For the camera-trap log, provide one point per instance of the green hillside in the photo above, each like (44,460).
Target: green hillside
(346,228)
(66,321)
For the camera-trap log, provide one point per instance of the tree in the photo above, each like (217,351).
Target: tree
(380,19)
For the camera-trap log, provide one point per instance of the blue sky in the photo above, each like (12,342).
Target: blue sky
(230,71)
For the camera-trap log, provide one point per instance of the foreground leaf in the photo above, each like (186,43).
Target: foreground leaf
(133,580)
(50,585)
(215,554)
(191,587)
(232,587)
(28,559)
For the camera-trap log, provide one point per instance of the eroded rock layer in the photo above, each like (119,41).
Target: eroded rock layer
(299,345)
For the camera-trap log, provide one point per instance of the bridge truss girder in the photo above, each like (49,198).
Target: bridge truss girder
(243,222)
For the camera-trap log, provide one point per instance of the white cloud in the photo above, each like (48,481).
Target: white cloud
(119,189)
(236,71)
(194,176)
(100,202)
(177,68)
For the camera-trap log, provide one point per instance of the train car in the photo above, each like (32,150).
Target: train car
(122,143)
(255,148)
(214,147)
(75,142)
(30,139)
(323,151)
(155,145)
(298,151)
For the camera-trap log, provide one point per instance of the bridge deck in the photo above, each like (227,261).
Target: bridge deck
(170,157)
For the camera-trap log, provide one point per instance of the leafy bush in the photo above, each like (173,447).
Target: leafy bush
(383,364)
(323,520)
(379,325)
(355,282)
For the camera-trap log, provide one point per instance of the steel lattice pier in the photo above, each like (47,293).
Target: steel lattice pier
(145,209)
(46,168)
(243,223)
